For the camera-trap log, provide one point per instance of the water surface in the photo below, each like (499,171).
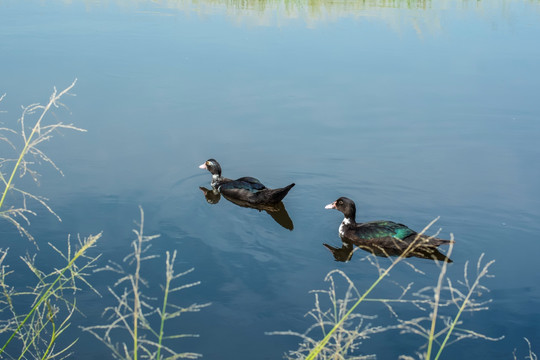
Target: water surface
(413,109)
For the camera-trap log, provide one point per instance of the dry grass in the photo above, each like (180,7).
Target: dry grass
(31,331)
(26,153)
(34,316)
(135,315)
(530,354)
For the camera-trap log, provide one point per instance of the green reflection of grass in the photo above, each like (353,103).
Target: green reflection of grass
(421,15)
(284,7)
(317,5)
(312,5)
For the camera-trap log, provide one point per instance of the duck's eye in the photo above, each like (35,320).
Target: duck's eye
(340,202)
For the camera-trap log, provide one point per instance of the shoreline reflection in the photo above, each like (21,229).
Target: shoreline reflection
(421,15)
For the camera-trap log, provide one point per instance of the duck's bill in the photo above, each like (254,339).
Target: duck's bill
(331,206)
(203,166)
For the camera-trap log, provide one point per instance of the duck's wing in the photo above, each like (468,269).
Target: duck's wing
(247,183)
(256,183)
(239,186)
(383,229)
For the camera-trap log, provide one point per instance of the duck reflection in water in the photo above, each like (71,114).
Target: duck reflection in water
(345,252)
(247,192)
(381,238)
(277,212)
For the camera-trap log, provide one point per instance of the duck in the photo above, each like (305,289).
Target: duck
(381,234)
(248,190)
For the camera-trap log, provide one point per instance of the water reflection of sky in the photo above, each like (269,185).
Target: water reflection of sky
(414,109)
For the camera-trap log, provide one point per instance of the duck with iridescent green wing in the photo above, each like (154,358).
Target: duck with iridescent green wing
(382,234)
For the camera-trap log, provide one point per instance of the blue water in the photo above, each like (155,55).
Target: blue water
(413,111)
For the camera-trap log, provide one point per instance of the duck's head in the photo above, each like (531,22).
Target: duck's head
(345,205)
(213,166)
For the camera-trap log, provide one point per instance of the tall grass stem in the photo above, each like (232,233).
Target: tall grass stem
(52,101)
(437,297)
(463,305)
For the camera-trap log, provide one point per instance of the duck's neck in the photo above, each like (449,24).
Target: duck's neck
(216,179)
(350,215)
(345,225)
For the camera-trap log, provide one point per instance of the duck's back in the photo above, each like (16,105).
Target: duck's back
(252,191)
(243,189)
(250,183)
(382,229)
(388,234)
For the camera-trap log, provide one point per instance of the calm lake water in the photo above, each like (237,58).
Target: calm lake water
(414,109)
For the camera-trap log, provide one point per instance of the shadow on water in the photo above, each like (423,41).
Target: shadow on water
(277,212)
(345,252)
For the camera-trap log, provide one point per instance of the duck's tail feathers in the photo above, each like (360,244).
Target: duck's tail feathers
(433,241)
(276,195)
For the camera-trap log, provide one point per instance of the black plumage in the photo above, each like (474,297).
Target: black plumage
(246,189)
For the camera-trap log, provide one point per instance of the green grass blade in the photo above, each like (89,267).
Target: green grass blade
(45,296)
